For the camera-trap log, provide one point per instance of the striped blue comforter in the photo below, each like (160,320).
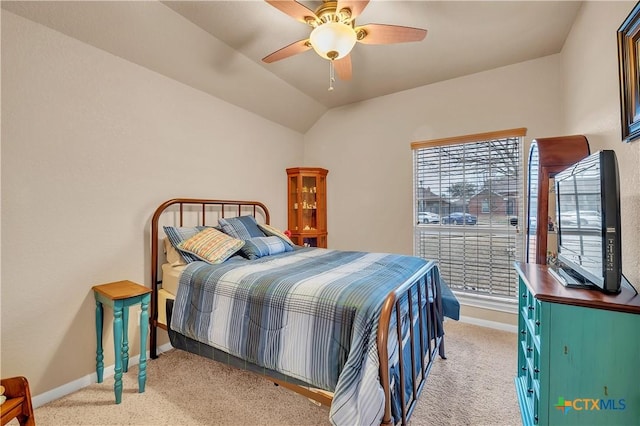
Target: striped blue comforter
(311,314)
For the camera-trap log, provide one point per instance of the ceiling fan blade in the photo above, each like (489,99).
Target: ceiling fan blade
(355,6)
(389,34)
(343,67)
(294,9)
(290,50)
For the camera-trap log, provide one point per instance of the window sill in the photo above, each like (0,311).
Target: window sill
(500,304)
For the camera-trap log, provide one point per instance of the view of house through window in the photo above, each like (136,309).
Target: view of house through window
(468,204)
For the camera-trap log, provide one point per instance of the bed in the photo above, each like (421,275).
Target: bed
(356,331)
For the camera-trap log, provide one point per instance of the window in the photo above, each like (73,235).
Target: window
(474,183)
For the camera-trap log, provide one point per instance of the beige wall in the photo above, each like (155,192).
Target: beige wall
(591,104)
(91,145)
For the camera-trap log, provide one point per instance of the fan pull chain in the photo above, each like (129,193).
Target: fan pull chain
(332,77)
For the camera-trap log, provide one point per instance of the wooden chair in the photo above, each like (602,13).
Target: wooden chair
(18,404)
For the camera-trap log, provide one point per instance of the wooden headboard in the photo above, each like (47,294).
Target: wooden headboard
(190,212)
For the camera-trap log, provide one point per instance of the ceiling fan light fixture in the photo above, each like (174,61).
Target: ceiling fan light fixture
(333,40)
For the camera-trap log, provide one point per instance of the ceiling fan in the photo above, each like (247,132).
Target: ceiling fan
(334,32)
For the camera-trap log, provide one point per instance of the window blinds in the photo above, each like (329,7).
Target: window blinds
(474,183)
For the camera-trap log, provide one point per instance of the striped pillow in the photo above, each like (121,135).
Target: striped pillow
(211,245)
(258,247)
(241,227)
(176,235)
(271,231)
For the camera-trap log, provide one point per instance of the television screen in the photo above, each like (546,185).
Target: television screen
(588,214)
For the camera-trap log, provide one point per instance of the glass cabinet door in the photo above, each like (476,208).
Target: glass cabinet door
(294,223)
(309,203)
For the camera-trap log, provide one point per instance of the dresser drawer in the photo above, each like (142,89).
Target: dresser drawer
(528,404)
(537,317)
(527,303)
(528,380)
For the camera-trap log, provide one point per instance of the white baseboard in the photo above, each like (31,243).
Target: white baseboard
(490,324)
(89,379)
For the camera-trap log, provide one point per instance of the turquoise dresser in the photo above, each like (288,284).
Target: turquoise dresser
(578,353)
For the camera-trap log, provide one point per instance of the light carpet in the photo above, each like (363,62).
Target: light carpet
(473,386)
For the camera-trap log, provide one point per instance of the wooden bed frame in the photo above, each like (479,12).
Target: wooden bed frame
(428,340)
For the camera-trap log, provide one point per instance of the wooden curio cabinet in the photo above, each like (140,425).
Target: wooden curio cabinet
(307,206)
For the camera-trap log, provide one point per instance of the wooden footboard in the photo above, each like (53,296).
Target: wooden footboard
(424,341)
(429,339)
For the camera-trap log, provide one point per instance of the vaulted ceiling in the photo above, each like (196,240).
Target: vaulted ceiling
(217,46)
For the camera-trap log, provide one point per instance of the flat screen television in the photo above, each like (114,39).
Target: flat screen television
(589,230)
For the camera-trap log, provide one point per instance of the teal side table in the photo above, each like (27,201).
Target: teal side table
(119,296)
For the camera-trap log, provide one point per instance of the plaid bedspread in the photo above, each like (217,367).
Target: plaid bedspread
(311,314)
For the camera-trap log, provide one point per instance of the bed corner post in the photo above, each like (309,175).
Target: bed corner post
(383,355)
(153,317)
(439,308)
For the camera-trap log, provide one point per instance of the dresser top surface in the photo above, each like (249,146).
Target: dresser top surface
(547,289)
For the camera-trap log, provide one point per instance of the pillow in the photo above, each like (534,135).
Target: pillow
(258,247)
(241,227)
(275,232)
(173,255)
(177,235)
(211,245)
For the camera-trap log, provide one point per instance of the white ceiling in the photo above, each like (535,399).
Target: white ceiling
(464,37)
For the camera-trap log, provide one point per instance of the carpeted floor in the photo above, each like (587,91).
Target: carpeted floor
(473,386)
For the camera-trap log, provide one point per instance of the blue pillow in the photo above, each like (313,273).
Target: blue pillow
(241,227)
(273,231)
(257,247)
